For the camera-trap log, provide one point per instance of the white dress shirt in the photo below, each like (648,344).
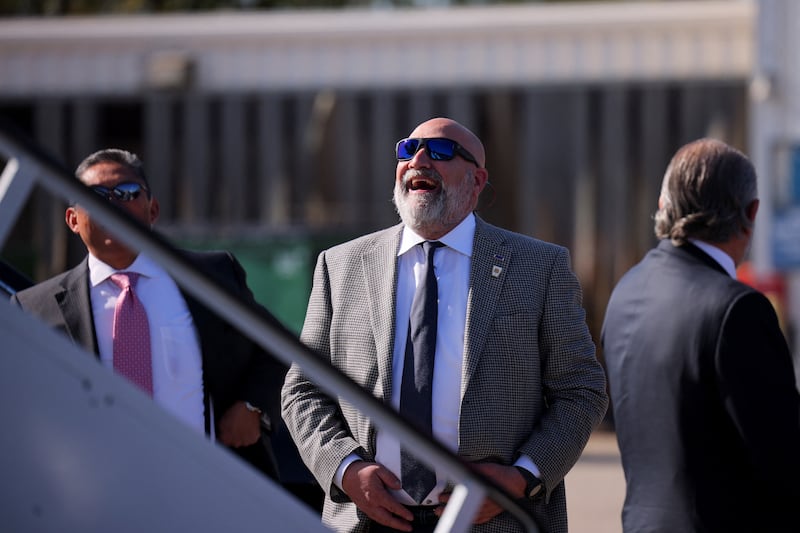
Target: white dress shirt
(175,348)
(451,265)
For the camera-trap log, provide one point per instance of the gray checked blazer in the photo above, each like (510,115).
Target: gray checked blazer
(531,383)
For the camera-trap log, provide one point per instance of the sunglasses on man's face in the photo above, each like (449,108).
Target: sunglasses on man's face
(122,192)
(438,149)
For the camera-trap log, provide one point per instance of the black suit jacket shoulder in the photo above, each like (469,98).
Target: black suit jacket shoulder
(63,302)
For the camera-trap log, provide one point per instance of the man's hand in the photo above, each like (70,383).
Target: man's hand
(239,426)
(507,477)
(366,484)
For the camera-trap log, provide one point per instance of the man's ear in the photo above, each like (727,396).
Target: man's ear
(155,209)
(71,218)
(480,177)
(751,210)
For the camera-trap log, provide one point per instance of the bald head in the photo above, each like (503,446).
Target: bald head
(450,129)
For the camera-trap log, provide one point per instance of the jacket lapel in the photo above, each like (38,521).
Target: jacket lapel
(76,307)
(491,258)
(382,292)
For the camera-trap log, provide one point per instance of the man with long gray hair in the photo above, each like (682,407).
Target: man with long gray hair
(702,386)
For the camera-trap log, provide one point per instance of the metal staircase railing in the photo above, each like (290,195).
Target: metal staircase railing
(28,165)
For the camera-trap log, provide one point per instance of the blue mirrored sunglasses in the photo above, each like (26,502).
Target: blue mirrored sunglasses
(438,149)
(122,192)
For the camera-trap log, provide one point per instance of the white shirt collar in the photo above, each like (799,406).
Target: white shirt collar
(724,260)
(100,271)
(459,238)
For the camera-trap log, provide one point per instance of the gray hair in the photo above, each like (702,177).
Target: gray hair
(113,155)
(707,188)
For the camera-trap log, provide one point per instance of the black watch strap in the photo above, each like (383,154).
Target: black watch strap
(533,485)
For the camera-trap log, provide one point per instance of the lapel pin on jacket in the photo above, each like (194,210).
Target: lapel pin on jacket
(496,270)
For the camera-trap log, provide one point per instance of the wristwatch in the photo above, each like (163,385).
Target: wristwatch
(251,407)
(533,485)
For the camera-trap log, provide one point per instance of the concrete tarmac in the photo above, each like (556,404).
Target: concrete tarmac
(596,487)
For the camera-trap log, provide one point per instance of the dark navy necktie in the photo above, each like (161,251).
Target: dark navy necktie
(415,392)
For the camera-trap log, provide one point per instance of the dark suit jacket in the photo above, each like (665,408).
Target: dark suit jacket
(530,384)
(234,368)
(704,399)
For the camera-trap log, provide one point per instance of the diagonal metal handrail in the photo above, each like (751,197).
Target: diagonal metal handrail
(29,164)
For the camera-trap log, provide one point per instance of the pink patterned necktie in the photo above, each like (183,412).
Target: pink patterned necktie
(131,334)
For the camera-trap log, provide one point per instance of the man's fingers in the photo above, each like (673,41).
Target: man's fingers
(388,478)
(366,484)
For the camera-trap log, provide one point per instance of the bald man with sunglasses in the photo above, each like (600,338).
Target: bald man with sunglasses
(202,370)
(513,387)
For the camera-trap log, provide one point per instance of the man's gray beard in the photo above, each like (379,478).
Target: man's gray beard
(445,208)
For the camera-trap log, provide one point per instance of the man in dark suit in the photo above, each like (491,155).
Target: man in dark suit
(515,388)
(204,371)
(704,399)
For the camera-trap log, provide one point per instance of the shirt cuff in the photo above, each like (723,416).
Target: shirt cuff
(527,463)
(350,459)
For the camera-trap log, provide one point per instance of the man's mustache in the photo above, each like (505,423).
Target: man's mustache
(424,173)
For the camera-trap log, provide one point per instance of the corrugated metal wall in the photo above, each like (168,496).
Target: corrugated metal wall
(577,165)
